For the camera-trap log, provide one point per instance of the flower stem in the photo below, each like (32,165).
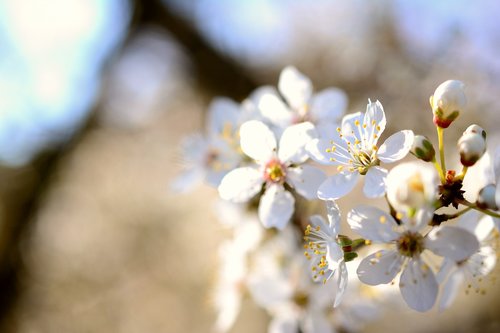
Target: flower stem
(440,132)
(484,211)
(440,171)
(437,219)
(462,174)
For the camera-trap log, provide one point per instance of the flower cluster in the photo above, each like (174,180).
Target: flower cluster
(268,157)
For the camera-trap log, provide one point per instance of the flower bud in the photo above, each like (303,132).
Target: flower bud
(411,186)
(447,102)
(476,129)
(422,148)
(471,147)
(486,198)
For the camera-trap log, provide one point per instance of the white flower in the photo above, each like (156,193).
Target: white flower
(411,186)
(471,270)
(230,285)
(417,284)
(233,255)
(277,165)
(447,102)
(211,156)
(324,251)
(323,109)
(280,284)
(354,149)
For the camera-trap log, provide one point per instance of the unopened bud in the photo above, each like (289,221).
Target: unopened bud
(471,147)
(486,198)
(422,148)
(476,129)
(447,102)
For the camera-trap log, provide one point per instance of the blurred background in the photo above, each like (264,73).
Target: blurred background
(95,97)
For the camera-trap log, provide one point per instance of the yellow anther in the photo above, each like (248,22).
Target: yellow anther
(399,216)
(378,128)
(368,242)
(356,122)
(382,219)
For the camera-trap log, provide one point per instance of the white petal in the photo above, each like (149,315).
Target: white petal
(396,146)
(446,268)
(306,180)
(380,267)
(375,122)
(214,178)
(241,184)
(328,105)
(285,324)
(375,182)
(274,110)
(481,229)
(342,283)
(423,217)
(223,115)
(482,262)
(269,290)
(451,242)
(350,130)
(373,224)
(257,141)
(318,220)
(418,286)
(316,321)
(276,207)
(320,151)
(293,142)
(295,87)
(334,254)
(450,289)
(338,185)
(326,129)
(187,180)
(334,216)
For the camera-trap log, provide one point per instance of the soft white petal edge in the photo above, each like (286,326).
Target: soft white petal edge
(293,142)
(306,180)
(375,182)
(380,267)
(276,207)
(372,223)
(336,186)
(396,146)
(452,242)
(418,286)
(257,140)
(241,184)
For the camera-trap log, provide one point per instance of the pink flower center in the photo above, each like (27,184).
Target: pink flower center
(275,172)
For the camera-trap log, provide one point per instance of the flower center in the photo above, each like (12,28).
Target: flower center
(363,161)
(315,250)
(275,172)
(212,159)
(301,299)
(410,244)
